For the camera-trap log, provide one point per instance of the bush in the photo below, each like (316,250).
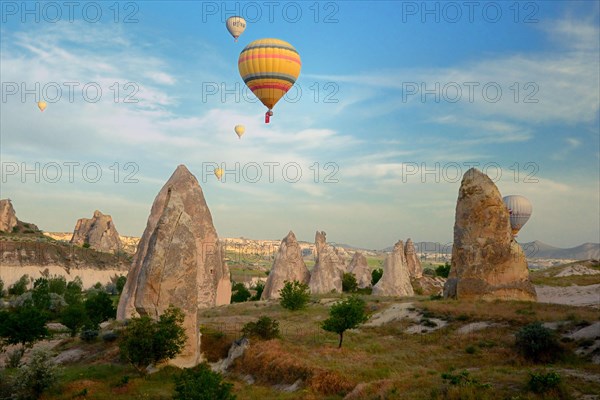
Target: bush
(89,335)
(20,286)
(200,383)
(463,379)
(265,328)
(110,337)
(540,382)
(443,270)
(537,343)
(74,317)
(349,283)
(260,287)
(23,326)
(376,275)
(73,292)
(239,293)
(57,284)
(120,283)
(344,315)
(99,308)
(14,358)
(1,288)
(145,341)
(86,245)
(39,375)
(294,295)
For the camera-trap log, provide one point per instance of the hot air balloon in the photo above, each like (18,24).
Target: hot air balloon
(42,105)
(269,67)
(519,209)
(236,26)
(239,130)
(218,173)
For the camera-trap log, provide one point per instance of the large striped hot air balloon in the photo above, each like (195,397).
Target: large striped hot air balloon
(269,67)
(520,209)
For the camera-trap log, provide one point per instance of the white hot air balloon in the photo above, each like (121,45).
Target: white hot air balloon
(520,209)
(236,26)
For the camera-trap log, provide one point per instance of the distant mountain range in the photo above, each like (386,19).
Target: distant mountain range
(535,249)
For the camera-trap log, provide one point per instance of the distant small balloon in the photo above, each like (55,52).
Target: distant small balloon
(42,105)
(239,130)
(236,26)
(218,173)
(520,210)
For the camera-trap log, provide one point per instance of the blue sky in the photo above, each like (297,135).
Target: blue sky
(513,88)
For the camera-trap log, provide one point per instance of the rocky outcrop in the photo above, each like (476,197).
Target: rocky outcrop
(8,217)
(360,268)
(396,278)
(99,232)
(178,261)
(412,260)
(326,276)
(287,266)
(487,263)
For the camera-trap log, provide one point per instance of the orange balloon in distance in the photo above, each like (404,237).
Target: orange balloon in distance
(269,67)
(42,105)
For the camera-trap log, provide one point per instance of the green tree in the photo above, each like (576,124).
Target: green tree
(99,308)
(40,294)
(73,291)
(121,280)
(376,275)
(349,283)
(145,341)
(57,284)
(19,286)
(344,315)
(201,383)
(538,343)
(23,326)
(239,293)
(443,270)
(1,288)
(39,374)
(294,295)
(74,317)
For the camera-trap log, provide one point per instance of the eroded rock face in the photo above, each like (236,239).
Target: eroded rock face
(359,267)
(396,278)
(487,263)
(287,266)
(8,217)
(326,276)
(99,232)
(178,261)
(412,260)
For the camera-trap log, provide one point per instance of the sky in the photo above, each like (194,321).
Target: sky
(395,101)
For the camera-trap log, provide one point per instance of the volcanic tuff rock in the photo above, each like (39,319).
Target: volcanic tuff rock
(178,261)
(487,263)
(412,259)
(396,278)
(287,266)
(326,276)
(8,217)
(99,232)
(360,268)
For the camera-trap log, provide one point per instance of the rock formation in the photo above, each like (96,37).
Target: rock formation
(178,261)
(412,260)
(326,275)
(8,217)
(487,263)
(396,278)
(99,232)
(287,266)
(359,267)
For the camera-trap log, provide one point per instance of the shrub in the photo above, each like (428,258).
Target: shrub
(99,308)
(110,337)
(24,326)
(14,358)
(347,314)
(260,287)
(470,350)
(1,288)
(463,379)
(86,245)
(120,283)
(265,328)
(89,335)
(376,275)
(540,382)
(200,383)
(443,270)
(73,292)
(294,295)
(214,344)
(19,286)
(537,343)
(239,293)
(57,284)
(145,341)
(39,375)
(349,283)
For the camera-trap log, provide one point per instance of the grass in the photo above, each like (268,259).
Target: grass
(384,361)
(547,276)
